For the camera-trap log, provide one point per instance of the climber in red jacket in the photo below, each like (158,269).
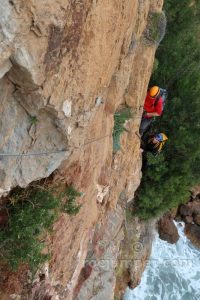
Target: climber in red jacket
(153,107)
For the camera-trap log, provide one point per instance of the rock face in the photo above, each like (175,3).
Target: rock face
(97,278)
(191,208)
(195,192)
(56,60)
(190,214)
(193,233)
(66,67)
(134,252)
(167,229)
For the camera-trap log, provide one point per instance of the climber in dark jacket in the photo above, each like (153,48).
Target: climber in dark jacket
(153,142)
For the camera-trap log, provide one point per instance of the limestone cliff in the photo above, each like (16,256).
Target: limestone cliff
(190,214)
(66,67)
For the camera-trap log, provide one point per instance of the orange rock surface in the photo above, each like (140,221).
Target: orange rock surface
(71,65)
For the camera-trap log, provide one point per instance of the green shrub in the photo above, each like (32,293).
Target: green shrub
(32,212)
(33,120)
(70,207)
(156,28)
(119,120)
(148,199)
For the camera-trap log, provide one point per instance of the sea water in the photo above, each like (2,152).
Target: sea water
(172,273)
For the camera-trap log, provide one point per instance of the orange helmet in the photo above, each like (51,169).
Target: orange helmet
(154,91)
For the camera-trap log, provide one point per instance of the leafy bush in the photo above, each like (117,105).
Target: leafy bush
(32,212)
(70,206)
(33,120)
(156,28)
(119,120)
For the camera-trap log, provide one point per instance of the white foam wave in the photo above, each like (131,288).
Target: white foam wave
(172,273)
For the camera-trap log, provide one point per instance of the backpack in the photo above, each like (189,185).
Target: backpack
(163,94)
